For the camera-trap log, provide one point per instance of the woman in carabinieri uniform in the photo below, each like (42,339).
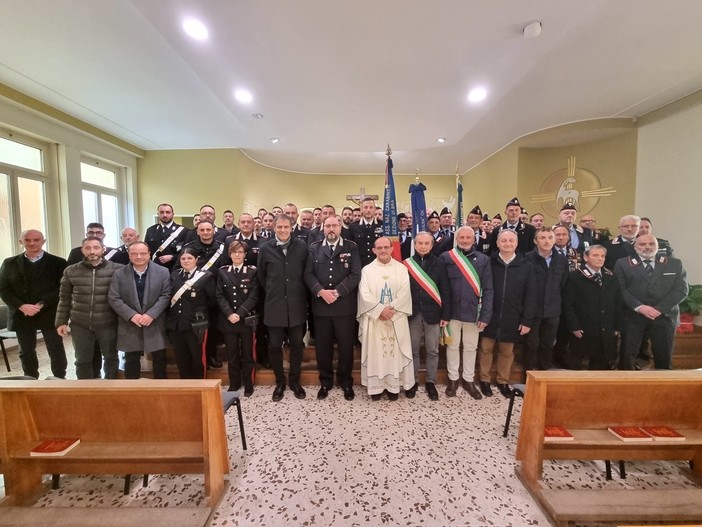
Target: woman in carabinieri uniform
(237,294)
(193,296)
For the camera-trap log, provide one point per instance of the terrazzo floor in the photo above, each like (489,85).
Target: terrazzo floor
(412,462)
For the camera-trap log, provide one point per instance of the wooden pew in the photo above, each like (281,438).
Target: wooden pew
(586,403)
(125,427)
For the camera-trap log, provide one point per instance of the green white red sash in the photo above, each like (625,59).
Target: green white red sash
(467,270)
(423,279)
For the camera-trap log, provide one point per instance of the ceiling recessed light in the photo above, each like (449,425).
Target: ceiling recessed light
(257,115)
(441,140)
(195,29)
(243,96)
(274,140)
(477,94)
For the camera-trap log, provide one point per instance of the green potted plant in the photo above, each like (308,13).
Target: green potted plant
(691,307)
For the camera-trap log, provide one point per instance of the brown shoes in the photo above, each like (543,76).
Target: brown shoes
(451,388)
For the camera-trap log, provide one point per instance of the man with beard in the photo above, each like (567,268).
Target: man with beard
(332,274)
(366,231)
(622,246)
(482,238)
(166,238)
(652,288)
(83,302)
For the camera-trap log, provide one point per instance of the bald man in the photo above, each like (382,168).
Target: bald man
(29,285)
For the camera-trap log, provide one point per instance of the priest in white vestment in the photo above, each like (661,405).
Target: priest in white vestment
(384,303)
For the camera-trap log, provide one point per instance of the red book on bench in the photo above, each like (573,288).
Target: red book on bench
(630,433)
(54,447)
(663,433)
(553,433)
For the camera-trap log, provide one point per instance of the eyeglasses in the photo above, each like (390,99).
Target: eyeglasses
(95,233)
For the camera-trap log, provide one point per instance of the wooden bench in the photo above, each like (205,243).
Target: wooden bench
(586,403)
(125,427)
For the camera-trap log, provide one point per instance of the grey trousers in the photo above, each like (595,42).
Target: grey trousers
(83,345)
(418,329)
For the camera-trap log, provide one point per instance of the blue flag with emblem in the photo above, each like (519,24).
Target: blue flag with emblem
(419,207)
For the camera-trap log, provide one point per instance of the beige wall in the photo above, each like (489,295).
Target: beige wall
(612,161)
(227,179)
(669,178)
(492,183)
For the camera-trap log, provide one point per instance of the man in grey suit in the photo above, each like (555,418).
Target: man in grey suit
(652,288)
(140,293)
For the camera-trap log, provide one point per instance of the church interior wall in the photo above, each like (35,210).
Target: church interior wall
(611,160)
(669,178)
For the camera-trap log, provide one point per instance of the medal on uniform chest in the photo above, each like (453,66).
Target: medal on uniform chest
(193,294)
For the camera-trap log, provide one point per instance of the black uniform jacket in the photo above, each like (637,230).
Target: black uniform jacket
(18,285)
(194,303)
(525,237)
(281,278)
(157,234)
(205,252)
(422,302)
(618,248)
(364,235)
(252,243)
(237,293)
(341,272)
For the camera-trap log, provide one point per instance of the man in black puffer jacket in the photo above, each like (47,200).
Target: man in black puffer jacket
(83,302)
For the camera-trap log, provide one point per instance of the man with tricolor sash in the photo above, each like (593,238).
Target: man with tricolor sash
(470,280)
(431,308)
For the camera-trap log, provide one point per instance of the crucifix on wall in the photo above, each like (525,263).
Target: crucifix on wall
(358,198)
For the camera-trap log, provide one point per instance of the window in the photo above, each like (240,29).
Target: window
(101,186)
(22,190)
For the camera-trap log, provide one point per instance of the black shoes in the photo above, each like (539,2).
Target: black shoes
(393,396)
(431,391)
(279,391)
(412,391)
(322,393)
(348,393)
(248,391)
(451,388)
(485,388)
(376,396)
(505,390)
(213,363)
(472,390)
(298,391)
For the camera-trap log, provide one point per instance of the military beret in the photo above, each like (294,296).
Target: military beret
(433,215)
(445,210)
(401,216)
(513,201)
(497,217)
(486,217)
(476,210)
(568,206)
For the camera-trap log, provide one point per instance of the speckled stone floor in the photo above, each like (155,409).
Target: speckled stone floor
(412,462)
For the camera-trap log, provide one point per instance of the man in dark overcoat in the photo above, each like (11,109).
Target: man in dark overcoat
(281,267)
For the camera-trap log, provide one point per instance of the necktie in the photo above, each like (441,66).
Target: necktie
(331,249)
(236,270)
(649,267)
(187,276)
(598,278)
(562,251)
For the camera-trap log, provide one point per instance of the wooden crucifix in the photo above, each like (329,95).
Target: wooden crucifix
(358,198)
